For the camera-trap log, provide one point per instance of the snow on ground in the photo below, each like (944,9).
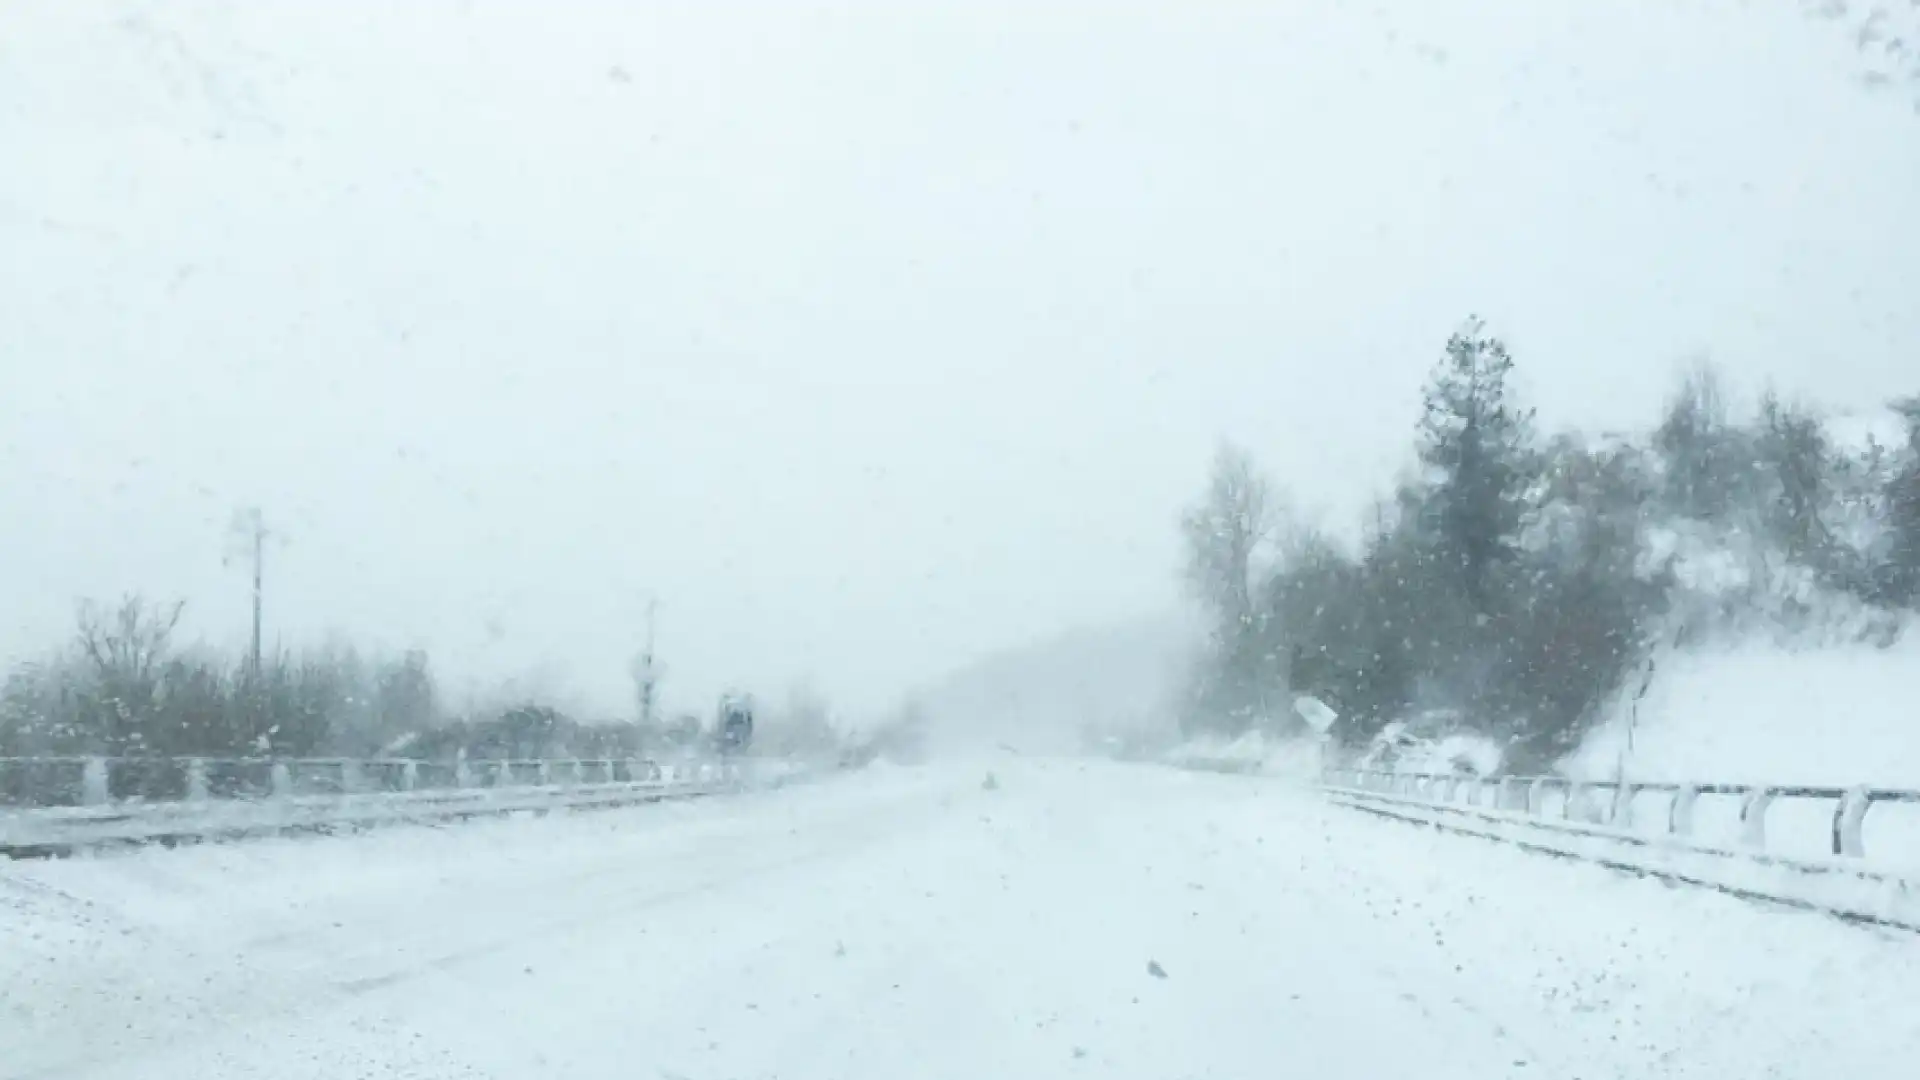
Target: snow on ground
(1757,712)
(1069,919)
(1253,752)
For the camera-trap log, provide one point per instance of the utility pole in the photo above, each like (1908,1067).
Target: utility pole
(646,674)
(1633,721)
(250,528)
(259,568)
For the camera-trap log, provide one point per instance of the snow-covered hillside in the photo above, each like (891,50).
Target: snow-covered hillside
(1770,670)
(1760,711)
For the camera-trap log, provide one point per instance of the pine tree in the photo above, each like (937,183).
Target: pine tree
(1478,450)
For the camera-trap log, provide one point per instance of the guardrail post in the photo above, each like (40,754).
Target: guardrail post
(503,773)
(280,780)
(1537,795)
(95,788)
(197,779)
(543,773)
(461,777)
(1848,816)
(409,776)
(1680,812)
(1507,785)
(1621,814)
(349,777)
(1753,816)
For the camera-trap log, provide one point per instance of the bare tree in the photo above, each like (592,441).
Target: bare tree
(1704,453)
(1225,532)
(1229,534)
(125,649)
(1793,453)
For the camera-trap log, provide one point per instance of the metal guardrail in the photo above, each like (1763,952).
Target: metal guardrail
(100,781)
(83,803)
(1617,804)
(1656,830)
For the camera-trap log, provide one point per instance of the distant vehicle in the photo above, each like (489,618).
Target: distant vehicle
(734,731)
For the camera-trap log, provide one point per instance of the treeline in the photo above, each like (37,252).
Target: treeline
(124,688)
(1518,581)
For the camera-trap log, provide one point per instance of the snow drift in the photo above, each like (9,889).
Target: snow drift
(1754,711)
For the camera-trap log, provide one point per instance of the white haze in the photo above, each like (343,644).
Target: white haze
(1058,695)
(870,338)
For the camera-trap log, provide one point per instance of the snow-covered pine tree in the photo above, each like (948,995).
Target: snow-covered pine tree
(1477,447)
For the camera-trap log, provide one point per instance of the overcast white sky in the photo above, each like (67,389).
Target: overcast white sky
(870,336)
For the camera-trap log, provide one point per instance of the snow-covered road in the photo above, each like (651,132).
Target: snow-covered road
(1075,919)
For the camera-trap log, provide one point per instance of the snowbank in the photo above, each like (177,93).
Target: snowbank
(1837,714)
(1459,751)
(1731,586)
(1296,758)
